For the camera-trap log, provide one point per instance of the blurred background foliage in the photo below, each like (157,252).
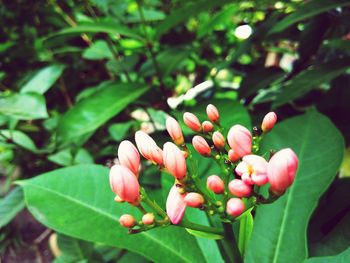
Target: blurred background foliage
(77,77)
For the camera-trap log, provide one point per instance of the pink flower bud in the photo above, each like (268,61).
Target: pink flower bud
(148,148)
(201,145)
(174,160)
(148,219)
(129,156)
(207,126)
(269,121)
(174,130)
(240,140)
(235,207)
(233,156)
(253,169)
(281,170)
(124,183)
(192,122)
(213,113)
(127,221)
(194,200)
(175,205)
(218,140)
(239,188)
(216,184)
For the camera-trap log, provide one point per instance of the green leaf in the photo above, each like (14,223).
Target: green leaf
(307,10)
(11,205)
(19,138)
(98,27)
(126,64)
(259,79)
(311,78)
(245,231)
(74,250)
(181,14)
(77,201)
(118,131)
(98,50)
(225,15)
(28,106)
(43,79)
(66,157)
(89,114)
(168,61)
(343,257)
(204,234)
(279,233)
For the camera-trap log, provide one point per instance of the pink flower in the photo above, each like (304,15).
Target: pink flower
(175,205)
(216,184)
(192,122)
(194,200)
(148,219)
(269,121)
(124,183)
(129,156)
(253,169)
(174,160)
(207,126)
(174,130)
(233,156)
(218,140)
(240,140)
(239,188)
(235,207)
(127,221)
(213,113)
(281,170)
(201,146)
(148,148)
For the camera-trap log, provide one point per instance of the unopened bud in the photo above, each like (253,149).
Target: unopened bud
(174,130)
(269,121)
(213,113)
(239,188)
(127,221)
(235,207)
(129,156)
(192,122)
(174,160)
(216,184)
(218,140)
(240,140)
(201,145)
(148,219)
(207,126)
(194,200)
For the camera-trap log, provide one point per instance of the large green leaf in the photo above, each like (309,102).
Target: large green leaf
(43,79)
(307,10)
(185,12)
(311,78)
(98,27)
(343,257)
(89,114)
(77,201)
(279,233)
(11,205)
(26,106)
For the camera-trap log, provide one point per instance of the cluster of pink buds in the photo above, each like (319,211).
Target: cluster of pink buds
(228,194)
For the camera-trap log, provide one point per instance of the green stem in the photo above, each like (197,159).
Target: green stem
(194,226)
(153,205)
(230,244)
